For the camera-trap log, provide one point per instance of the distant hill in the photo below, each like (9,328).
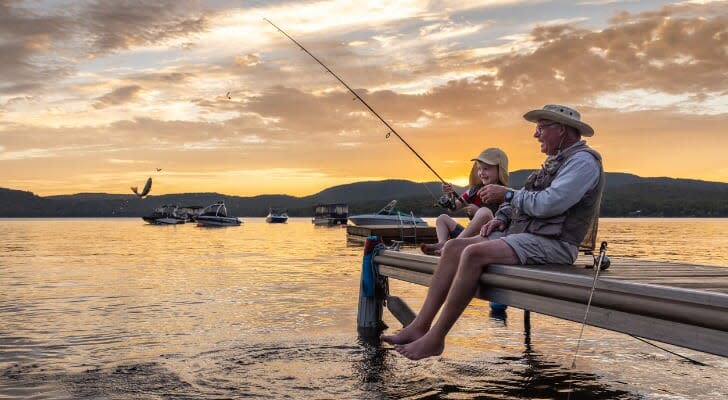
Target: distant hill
(625,195)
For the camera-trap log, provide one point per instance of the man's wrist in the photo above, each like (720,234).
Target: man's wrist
(508,195)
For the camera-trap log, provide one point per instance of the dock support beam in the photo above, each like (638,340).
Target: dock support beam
(372,293)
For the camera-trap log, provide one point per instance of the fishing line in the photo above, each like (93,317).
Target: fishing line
(671,352)
(597,268)
(391,130)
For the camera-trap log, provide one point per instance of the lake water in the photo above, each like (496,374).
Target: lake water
(117,309)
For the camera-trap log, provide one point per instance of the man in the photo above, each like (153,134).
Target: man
(547,221)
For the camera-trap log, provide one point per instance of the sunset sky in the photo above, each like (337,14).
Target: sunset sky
(95,96)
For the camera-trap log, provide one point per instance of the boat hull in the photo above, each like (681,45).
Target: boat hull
(377,219)
(205,220)
(329,221)
(163,221)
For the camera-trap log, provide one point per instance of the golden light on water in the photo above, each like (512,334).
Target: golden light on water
(99,304)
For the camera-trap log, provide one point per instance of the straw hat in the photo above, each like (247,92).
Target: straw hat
(561,114)
(492,156)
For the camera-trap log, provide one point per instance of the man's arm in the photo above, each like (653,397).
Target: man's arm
(578,175)
(504,212)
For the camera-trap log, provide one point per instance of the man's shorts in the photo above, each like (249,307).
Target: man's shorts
(456,231)
(535,249)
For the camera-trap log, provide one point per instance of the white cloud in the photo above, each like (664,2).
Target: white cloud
(646,99)
(253,139)
(52,152)
(122,161)
(210,144)
(26,154)
(426,83)
(420,122)
(349,144)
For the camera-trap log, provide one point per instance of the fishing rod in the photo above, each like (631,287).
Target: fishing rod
(391,130)
(597,268)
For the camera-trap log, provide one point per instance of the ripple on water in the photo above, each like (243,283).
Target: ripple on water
(115,309)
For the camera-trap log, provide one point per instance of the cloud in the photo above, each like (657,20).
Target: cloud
(675,50)
(26,39)
(116,25)
(51,152)
(672,51)
(41,45)
(451,82)
(119,96)
(609,68)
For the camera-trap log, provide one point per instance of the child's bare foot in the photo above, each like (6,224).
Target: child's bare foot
(408,334)
(431,249)
(426,346)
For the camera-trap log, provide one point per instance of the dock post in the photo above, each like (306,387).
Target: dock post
(372,292)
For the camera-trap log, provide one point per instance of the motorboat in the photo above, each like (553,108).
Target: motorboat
(330,214)
(189,213)
(388,215)
(276,216)
(164,215)
(216,215)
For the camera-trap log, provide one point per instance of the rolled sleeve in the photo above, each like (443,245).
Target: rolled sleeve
(504,213)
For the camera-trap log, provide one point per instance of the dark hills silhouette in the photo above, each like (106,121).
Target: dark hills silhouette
(625,195)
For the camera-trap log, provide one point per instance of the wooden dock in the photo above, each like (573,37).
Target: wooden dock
(680,304)
(388,233)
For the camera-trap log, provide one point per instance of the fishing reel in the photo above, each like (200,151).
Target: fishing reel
(447,202)
(601,259)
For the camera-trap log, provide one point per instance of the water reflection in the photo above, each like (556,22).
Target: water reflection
(94,308)
(372,365)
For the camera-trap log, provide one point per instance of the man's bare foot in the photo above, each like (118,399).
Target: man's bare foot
(408,334)
(426,346)
(431,249)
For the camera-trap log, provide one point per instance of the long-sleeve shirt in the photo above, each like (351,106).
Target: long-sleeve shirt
(578,175)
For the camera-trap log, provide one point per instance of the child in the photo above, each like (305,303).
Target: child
(491,166)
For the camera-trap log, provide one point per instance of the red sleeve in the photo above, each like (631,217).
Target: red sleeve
(465,198)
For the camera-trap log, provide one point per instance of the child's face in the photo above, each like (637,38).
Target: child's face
(487,173)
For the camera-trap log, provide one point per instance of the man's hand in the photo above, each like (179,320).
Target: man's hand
(491,226)
(492,194)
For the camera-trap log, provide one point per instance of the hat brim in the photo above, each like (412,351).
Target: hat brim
(535,115)
(486,160)
(502,172)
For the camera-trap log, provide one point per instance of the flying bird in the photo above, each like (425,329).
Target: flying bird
(228,95)
(159,169)
(145,191)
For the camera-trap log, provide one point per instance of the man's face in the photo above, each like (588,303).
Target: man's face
(549,134)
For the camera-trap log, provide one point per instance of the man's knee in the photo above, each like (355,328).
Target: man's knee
(471,255)
(484,253)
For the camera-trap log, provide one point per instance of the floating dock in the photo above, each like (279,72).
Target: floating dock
(387,233)
(680,304)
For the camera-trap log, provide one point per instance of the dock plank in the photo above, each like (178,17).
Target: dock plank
(676,303)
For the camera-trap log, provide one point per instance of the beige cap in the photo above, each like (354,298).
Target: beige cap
(561,114)
(492,156)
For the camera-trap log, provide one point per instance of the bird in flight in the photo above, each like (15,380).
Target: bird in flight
(228,96)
